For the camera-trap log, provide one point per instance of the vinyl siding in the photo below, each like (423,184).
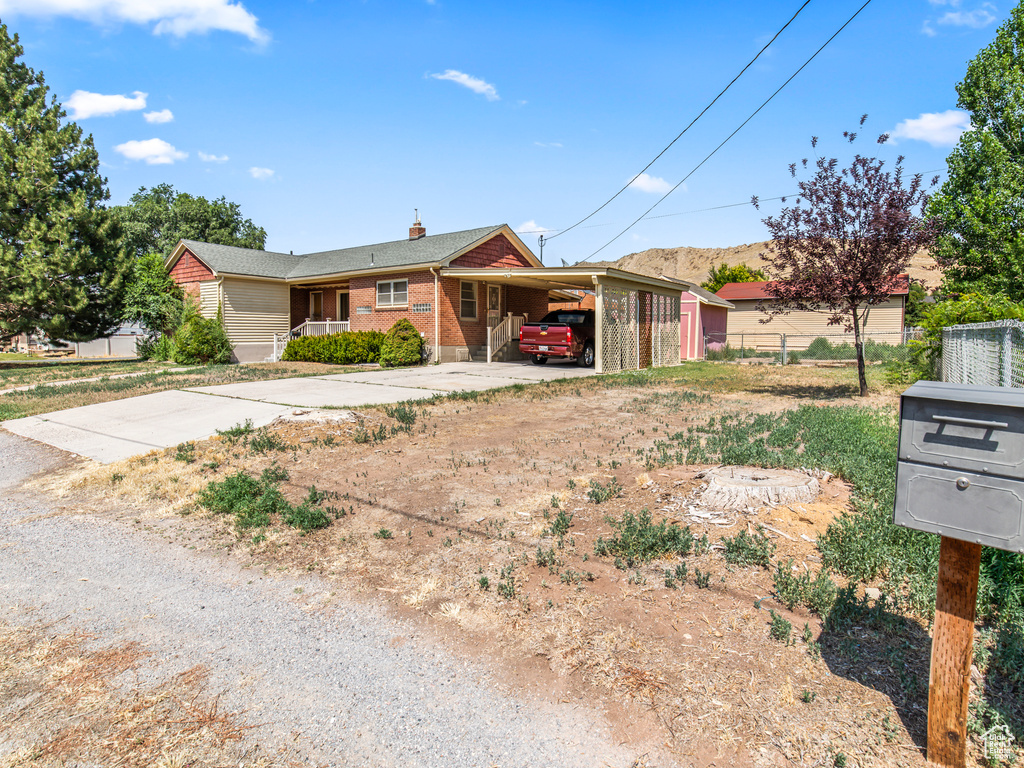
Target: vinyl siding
(209,297)
(883,320)
(254,310)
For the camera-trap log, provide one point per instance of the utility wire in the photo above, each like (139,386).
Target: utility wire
(698,117)
(715,150)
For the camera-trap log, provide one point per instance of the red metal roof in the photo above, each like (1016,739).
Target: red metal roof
(734,291)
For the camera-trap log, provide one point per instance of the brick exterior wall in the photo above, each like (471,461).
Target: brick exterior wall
(188,272)
(363,293)
(496,252)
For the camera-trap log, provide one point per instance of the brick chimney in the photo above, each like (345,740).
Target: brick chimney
(417,230)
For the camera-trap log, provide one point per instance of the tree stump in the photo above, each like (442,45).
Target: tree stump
(738,488)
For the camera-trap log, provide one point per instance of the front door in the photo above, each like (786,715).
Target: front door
(343,306)
(493,305)
(316,305)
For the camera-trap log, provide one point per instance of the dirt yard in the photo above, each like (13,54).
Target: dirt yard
(482,517)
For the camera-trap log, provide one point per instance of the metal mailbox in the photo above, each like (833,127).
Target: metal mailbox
(960,470)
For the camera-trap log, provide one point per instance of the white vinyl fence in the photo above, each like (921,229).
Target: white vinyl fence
(990,354)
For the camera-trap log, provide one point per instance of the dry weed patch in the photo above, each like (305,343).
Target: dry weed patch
(556,530)
(66,699)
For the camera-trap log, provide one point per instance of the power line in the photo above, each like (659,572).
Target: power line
(694,210)
(698,117)
(727,139)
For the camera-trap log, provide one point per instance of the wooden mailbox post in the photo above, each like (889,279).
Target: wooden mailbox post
(960,474)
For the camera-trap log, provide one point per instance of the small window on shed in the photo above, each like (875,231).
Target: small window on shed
(467,305)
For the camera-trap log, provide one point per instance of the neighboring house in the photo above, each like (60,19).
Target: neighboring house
(884,322)
(466,292)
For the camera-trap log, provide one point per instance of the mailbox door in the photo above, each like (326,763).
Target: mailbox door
(971,436)
(962,505)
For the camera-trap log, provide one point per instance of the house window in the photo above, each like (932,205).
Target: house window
(421,307)
(393,293)
(467,305)
(316,305)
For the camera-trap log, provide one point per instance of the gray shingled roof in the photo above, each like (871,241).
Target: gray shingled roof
(243,261)
(398,253)
(710,298)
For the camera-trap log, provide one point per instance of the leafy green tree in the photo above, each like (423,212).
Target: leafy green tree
(152,298)
(969,308)
(722,274)
(154,220)
(981,204)
(61,264)
(916,305)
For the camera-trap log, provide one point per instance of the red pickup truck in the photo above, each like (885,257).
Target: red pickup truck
(562,333)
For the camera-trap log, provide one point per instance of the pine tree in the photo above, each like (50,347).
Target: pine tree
(61,265)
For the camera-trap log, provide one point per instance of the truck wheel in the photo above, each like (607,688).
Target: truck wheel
(538,359)
(586,360)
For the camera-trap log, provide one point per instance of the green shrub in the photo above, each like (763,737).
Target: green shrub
(403,345)
(155,347)
(348,348)
(307,516)
(638,540)
(780,628)
(599,493)
(201,340)
(746,549)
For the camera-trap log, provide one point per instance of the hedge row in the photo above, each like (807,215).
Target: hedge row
(346,348)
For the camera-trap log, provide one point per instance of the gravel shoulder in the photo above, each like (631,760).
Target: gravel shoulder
(340,682)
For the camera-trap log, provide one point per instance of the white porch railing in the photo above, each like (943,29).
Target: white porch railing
(320,327)
(503,333)
(307,328)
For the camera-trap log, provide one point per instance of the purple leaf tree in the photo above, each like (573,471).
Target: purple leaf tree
(843,245)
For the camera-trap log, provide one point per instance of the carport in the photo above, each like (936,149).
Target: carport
(637,317)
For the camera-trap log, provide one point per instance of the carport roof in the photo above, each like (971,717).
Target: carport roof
(565,277)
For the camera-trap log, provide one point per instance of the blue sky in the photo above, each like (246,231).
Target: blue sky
(329,122)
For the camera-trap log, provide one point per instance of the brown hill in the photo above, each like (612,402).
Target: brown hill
(694,264)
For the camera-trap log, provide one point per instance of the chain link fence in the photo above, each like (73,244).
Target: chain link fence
(809,349)
(989,354)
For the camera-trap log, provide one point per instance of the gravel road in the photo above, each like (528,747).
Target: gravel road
(331,679)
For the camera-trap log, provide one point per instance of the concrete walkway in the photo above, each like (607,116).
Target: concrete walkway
(116,430)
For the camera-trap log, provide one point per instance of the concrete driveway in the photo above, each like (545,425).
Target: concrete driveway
(109,432)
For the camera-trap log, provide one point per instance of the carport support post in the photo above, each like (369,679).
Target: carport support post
(952,651)
(598,326)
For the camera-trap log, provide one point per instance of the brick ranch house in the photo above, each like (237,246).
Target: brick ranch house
(465,292)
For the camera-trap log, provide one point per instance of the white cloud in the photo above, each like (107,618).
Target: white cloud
(531,227)
(940,129)
(153,151)
(168,17)
(163,116)
(653,184)
(474,84)
(555,144)
(260,173)
(976,19)
(212,158)
(84,104)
